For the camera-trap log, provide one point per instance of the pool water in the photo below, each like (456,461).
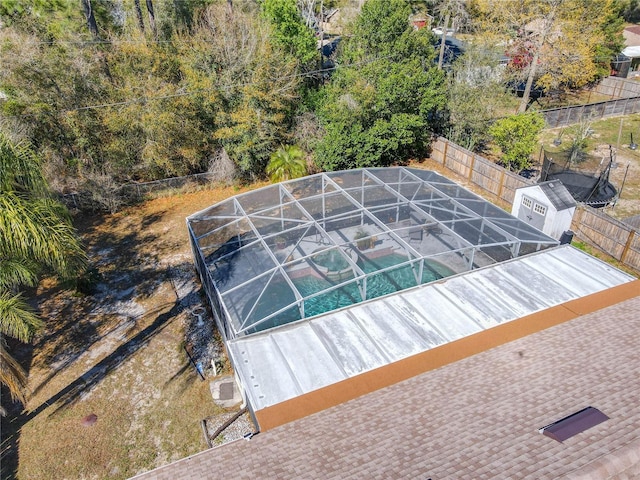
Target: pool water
(378,285)
(383,283)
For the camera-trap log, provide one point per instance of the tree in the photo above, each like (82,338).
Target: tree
(156,130)
(379,27)
(476,95)
(258,86)
(560,44)
(384,109)
(91,19)
(289,29)
(36,237)
(631,11)
(286,163)
(454,11)
(139,18)
(134,110)
(516,136)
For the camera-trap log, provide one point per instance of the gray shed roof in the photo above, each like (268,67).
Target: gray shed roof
(558,195)
(292,360)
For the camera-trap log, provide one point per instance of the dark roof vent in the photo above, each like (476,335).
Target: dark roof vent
(573,424)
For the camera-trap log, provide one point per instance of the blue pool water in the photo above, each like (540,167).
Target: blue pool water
(279,295)
(378,285)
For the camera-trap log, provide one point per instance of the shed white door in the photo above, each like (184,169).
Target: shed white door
(532,212)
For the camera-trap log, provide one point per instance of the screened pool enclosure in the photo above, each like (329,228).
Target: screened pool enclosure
(312,245)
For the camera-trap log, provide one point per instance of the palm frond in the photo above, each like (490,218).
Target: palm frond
(17,318)
(20,169)
(33,229)
(286,163)
(17,272)
(13,375)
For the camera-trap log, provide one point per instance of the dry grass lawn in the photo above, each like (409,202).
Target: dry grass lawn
(117,354)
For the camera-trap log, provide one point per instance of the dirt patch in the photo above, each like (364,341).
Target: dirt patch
(119,354)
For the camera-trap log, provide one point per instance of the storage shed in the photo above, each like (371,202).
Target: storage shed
(547,206)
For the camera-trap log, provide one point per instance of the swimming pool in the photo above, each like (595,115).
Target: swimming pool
(321,301)
(378,284)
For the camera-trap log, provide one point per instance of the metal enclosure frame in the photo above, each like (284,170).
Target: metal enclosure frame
(288,251)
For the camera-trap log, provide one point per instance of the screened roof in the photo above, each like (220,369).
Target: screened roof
(315,244)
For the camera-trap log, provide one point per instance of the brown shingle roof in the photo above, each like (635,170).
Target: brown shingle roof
(473,419)
(633,29)
(631,35)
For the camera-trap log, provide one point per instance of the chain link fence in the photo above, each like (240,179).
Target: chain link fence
(111,198)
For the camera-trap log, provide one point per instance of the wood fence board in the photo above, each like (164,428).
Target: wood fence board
(511,183)
(487,175)
(618,87)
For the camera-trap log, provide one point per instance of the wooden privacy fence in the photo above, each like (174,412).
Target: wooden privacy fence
(593,226)
(481,172)
(613,237)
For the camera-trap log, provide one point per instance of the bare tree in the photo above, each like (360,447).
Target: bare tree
(223,167)
(443,41)
(454,12)
(540,41)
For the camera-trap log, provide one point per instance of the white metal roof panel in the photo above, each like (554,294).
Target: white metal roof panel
(567,274)
(475,302)
(395,336)
(427,331)
(303,353)
(442,313)
(263,371)
(351,347)
(524,300)
(587,264)
(493,284)
(285,362)
(545,287)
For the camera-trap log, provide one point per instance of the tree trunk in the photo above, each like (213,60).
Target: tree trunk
(443,39)
(152,17)
(527,89)
(548,22)
(139,15)
(91,19)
